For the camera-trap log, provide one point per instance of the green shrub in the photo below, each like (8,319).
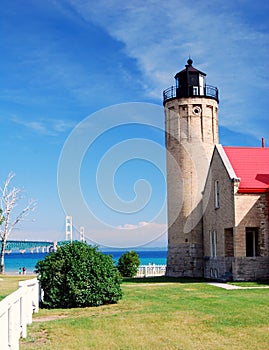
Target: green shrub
(128,264)
(78,275)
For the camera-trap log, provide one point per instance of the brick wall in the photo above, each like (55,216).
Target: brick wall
(216,219)
(236,212)
(251,210)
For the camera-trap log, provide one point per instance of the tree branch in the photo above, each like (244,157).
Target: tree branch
(9,199)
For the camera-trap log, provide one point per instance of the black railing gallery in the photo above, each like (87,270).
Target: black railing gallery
(209,91)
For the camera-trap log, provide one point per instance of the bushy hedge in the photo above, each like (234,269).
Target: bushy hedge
(78,275)
(128,264)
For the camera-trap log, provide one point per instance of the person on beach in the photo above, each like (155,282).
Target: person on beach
(20,270)
(24,270)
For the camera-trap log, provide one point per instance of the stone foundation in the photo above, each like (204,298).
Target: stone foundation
(185,260)
(251,268)
(237,269)
(219,268)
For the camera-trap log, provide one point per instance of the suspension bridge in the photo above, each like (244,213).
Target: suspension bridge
(14,246)
(23,246)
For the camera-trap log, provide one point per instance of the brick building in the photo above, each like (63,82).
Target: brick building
(235,219)
(217,196)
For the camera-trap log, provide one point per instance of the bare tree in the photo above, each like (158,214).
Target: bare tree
(9,218)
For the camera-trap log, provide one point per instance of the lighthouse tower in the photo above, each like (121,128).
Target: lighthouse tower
(191,124)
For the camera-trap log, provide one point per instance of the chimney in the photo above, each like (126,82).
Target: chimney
(262,142)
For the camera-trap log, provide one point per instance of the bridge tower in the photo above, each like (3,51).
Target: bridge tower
(82,234)
(191,124)
(68,228)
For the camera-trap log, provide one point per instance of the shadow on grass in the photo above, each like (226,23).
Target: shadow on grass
(162,279)
(250,284)
(263,282)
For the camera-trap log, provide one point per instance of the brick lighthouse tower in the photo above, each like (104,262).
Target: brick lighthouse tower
(191,124)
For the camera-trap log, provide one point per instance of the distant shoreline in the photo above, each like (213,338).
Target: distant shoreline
(15,261)
(13,273)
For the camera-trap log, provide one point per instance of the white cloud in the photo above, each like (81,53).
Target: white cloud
(160,35)
(44,126)
(146,225)
(143,233)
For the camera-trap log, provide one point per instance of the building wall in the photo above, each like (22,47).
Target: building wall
(251,211)
(251,268)
(191,132)
(236,212)
(218,219)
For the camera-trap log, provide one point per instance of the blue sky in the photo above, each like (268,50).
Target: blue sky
(69,61)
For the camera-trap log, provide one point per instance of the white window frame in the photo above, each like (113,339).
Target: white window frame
(195,91)
(216,194)
(213,243)
(201,84)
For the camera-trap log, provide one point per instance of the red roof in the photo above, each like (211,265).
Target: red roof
(251,165)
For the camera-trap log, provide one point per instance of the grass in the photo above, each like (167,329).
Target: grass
(9,284)
(250,284)
(159,313)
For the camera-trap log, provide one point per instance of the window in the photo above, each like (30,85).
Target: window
(216,194)
(213,243)
(201,84)
(252,241)
(195,91)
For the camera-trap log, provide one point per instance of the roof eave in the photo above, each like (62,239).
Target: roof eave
(227,164)
(253,190)
(190,69)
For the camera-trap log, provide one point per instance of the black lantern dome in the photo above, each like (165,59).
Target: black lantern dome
(190,82)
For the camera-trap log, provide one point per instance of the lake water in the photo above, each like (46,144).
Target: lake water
(14,261)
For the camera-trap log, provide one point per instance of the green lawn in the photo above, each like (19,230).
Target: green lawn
(159,314)
(9,284)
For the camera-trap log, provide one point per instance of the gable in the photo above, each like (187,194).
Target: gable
(220,170)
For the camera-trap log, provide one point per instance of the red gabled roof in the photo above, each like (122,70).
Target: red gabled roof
(251,165)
